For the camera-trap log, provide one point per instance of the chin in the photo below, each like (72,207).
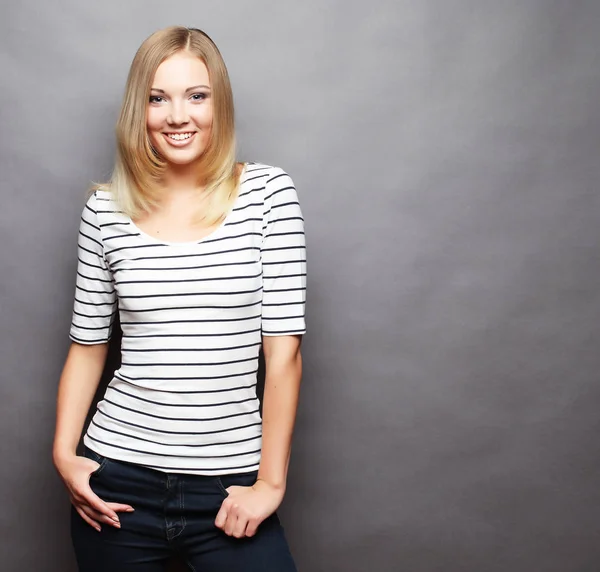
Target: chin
(181,158)
(181,161)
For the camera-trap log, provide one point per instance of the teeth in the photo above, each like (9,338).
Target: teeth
(180,136)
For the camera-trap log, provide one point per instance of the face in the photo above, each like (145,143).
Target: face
(179,114)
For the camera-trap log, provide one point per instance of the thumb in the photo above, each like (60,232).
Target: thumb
(118,507)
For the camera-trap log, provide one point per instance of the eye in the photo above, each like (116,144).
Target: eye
(198,96)
(155,99)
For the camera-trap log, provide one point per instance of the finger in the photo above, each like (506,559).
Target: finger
(235,489)
(252,527)
(87,519)
(91,499)
(221,518)
(118,507)
(99,517)
(239,529)
(232,519)
(94,467)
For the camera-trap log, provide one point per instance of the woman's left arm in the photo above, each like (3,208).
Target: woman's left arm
(283,259)
(246,507)
(283,363)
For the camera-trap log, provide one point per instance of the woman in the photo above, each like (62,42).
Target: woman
(205,260)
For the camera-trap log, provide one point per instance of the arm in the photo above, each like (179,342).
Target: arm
(78,383)
(283,362)
(246,507)
(77,387)
(94,307)
(283,256)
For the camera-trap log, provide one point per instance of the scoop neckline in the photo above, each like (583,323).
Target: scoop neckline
(151,238)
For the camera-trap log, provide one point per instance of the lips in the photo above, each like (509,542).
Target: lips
(179,139)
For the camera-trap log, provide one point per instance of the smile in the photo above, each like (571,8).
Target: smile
(179,136)
(179,140)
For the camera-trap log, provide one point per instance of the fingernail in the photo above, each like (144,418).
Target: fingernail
(98,529)
(130,509)
(115,519)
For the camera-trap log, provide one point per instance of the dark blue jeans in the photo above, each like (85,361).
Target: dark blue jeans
(174,515)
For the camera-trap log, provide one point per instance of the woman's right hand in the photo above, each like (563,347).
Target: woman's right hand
(75,471)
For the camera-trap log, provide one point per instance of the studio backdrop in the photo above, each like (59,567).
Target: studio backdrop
(446,156)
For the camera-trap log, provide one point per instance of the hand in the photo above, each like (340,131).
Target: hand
(246,507)
(75,472)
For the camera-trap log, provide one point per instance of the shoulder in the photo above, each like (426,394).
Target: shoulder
(101,210)
(263,172)
(104,198)
(270,179)
(99,198)
(103,204)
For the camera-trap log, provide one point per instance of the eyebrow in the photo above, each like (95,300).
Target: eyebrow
(188,89)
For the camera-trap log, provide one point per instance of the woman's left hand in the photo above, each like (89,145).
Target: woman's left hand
(246,507)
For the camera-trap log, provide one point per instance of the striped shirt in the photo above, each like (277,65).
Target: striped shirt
(192,315)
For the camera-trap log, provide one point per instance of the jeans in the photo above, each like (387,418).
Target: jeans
(174,515)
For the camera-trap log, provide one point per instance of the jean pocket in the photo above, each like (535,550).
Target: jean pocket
(102,461)
(222,487)
(236,479)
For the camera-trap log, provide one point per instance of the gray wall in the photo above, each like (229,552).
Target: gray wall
(446,156)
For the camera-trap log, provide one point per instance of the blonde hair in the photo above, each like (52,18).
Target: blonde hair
(136,181)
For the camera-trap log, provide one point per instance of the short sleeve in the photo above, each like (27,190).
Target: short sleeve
(95,297)
(283,257)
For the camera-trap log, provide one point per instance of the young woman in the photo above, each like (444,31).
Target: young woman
(205,260)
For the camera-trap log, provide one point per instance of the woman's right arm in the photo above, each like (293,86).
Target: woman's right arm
(78,384)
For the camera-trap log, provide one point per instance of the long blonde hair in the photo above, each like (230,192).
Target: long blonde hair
(136,182)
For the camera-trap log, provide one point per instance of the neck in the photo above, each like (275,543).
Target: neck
(181,179)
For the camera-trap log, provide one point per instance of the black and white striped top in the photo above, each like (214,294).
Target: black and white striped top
(192,314)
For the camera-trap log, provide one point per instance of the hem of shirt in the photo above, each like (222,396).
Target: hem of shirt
(92,445)
(269,333)
(88,342)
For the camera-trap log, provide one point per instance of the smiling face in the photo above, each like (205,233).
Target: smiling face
(180,111)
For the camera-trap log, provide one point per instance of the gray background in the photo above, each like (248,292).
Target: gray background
(446,157)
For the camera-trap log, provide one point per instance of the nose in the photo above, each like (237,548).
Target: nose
(178,114)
